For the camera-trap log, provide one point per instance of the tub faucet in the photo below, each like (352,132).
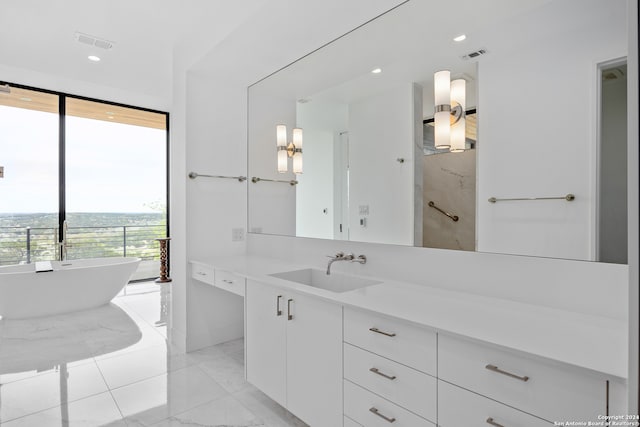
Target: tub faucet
(340,256)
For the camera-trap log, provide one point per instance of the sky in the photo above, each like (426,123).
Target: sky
(111,167)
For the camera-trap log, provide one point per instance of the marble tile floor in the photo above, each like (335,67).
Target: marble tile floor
(113,366)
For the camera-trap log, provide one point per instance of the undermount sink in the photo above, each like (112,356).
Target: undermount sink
(334,282)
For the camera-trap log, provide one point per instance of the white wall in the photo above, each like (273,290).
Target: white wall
(529,126)
(322,123)
(381,130)
(214,206)
(273,204)
(210,136)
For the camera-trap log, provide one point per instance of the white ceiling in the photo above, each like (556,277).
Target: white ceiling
(242,39)
(148,34)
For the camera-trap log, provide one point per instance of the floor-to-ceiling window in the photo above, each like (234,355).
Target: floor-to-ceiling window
(100,167)
(29,148)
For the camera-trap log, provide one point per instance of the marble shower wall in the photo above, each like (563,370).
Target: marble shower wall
(450,182)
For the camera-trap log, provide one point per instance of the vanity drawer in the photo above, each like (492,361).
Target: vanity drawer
(549,390)
(402,342)
(229,282)
(458,407)
(371,410)
(400,384)
(202,273)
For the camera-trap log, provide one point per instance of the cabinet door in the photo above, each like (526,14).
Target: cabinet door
(265,339)
(314,361)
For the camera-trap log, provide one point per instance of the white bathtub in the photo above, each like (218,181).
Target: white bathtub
(73,285)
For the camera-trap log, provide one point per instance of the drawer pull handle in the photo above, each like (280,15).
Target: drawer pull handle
(377,371)
(387,419)
(378,331)
(289,315)
(228,281)
(278,311)
(200,273)
(493,423)
(509,374)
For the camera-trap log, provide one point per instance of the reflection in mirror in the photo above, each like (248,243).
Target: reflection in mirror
(535,132)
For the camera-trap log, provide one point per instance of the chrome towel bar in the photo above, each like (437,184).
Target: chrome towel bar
(255,180)
(454,218)
(568,198)
(194,175)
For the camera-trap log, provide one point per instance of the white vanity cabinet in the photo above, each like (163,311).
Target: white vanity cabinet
(458,407)
(219,278)
(389,371)
(294,352)
(548,390)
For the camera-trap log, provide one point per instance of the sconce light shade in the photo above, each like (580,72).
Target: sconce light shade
(281,143)
(297,155)
(442,95)
(458,129)
(293,149)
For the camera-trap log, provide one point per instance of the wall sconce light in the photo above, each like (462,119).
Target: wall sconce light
(449,117)
(286,150)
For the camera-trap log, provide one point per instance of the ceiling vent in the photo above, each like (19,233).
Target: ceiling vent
(93,41)
(474,54)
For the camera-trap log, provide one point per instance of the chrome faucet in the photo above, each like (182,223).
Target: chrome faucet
(340,256)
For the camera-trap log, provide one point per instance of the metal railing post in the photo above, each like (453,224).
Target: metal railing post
(124,240)
(28,245)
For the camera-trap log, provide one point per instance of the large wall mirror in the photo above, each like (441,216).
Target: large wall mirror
(511,139)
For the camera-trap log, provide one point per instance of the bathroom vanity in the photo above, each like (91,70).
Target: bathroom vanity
(411,355)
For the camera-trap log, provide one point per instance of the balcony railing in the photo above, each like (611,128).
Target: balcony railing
(25,245)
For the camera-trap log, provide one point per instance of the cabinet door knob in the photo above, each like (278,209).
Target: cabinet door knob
(377,371)
(278,311)
(289,315)
(509,374)
(493,423)
(387,419)
(378,331)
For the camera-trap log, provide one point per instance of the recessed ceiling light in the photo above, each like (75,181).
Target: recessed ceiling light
(93,58)
(459,38)
(376,70)
(25,99)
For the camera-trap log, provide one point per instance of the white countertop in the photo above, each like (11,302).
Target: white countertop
(588,341)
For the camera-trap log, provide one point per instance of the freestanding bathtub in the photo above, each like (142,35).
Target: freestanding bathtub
(72,286)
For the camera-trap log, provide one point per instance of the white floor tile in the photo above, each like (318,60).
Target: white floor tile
(227,372)
(158,398)
(135,366)
(93,411)
(226,411)
(269,411)
(35,394)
